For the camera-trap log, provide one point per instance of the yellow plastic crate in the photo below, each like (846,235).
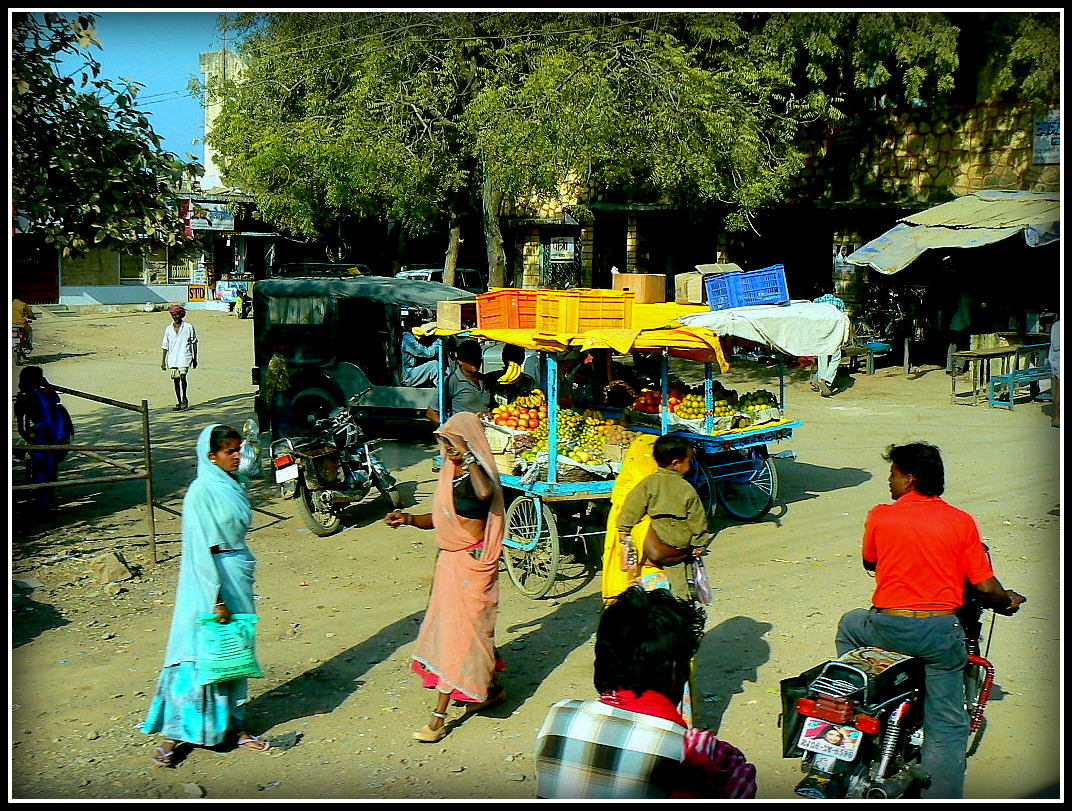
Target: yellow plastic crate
(573,311)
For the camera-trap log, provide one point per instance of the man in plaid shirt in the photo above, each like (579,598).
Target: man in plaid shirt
(632,743)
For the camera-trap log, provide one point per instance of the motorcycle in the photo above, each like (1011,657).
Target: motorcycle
(20,344)
(856,722)
(330,468)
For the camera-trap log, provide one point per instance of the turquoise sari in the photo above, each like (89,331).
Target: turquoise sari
(215,513)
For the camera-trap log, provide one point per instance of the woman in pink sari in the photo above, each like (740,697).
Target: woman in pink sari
(455,653)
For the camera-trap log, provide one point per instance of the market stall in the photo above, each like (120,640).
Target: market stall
(550,453)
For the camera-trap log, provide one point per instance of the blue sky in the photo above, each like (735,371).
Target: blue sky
(160,50)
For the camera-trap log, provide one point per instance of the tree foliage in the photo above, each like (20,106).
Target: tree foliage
(87,168)
(419,116)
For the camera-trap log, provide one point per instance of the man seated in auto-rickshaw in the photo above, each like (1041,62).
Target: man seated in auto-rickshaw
(420,366)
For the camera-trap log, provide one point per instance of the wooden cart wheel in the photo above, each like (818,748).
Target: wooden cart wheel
(751,499)
(530,546)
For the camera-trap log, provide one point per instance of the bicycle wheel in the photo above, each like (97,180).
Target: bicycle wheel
(530,546)
(751,498)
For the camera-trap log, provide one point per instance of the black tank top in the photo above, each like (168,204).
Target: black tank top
(466,502)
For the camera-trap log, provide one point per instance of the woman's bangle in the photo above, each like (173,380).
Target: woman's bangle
(409,519)
(220,603)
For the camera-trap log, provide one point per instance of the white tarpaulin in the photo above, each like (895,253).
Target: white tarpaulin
(971,221)
(800,328)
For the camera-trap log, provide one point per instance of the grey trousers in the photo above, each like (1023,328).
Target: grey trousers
(939,642)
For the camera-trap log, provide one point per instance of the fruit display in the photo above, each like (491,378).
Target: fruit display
(687,403)
(523,414)
(755,401)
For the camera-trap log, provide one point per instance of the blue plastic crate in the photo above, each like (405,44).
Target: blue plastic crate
(739,289)
(764,286)
(722,290)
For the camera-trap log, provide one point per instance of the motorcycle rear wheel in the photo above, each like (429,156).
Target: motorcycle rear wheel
(321,523)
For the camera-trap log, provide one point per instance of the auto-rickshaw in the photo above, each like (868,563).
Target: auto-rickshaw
(341,336)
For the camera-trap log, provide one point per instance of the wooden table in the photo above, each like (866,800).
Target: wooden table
(979,371)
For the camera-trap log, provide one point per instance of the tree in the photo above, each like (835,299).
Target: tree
(87,168)
(424,117)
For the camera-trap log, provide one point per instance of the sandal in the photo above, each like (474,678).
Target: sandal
(814,386)
(825,388)
(254,743)
(429,735)
(164,757)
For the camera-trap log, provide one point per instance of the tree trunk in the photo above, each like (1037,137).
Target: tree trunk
(493,235)
(454,241)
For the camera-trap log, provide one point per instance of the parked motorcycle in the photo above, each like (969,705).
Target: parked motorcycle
(856,722)
(330,468)
(20,344)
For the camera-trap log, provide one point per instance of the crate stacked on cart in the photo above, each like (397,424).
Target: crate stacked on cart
(746,287)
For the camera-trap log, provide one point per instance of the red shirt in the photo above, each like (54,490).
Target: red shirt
(926,550)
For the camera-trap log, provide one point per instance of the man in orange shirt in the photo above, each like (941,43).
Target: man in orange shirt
(924,552)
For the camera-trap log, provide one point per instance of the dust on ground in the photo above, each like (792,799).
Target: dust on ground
(339,615)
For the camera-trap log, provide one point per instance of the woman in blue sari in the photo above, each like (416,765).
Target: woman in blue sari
(42,420)
(215,577)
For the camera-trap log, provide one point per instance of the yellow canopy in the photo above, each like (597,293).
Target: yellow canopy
(655,328)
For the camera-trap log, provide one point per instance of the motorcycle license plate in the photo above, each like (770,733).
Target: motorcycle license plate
(285,474)
(825,738)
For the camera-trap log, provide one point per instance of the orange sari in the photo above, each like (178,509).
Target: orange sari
(456,643)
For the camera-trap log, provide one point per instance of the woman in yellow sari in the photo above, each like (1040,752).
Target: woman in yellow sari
(652,570)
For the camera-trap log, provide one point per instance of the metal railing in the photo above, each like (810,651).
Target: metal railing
(93,451)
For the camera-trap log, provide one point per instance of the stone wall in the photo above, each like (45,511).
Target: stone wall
(914,158)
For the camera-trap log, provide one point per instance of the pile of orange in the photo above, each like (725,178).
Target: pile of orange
(518,417)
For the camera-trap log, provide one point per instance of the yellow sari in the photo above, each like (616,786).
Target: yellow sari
(637,464)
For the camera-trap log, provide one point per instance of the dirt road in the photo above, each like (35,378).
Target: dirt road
(339,615)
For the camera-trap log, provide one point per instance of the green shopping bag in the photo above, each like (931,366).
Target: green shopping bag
(227,650)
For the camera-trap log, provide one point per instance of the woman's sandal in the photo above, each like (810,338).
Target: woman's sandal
(429,735)
(164,757)
(254,743)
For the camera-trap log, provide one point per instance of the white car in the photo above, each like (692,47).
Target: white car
(464,278)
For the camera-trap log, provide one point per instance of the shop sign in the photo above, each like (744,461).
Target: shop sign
(1047,138)
(562,249)
(207,216)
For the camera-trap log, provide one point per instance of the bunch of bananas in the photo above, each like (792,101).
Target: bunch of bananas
(534,399)
(511,374)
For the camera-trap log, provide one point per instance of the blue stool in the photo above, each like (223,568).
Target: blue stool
(875,348)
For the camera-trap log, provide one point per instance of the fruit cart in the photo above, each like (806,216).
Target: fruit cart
(734,468)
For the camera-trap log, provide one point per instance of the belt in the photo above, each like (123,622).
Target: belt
(905,612)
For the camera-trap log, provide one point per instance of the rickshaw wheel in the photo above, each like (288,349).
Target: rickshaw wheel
(752,499)
(533,571)
(320,522)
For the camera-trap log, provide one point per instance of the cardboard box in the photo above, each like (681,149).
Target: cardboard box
(650,288)
(724,267)
(456,315)
(689,288)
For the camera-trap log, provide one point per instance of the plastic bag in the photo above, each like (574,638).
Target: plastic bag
(249,460)
(699,585)
(227,650)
